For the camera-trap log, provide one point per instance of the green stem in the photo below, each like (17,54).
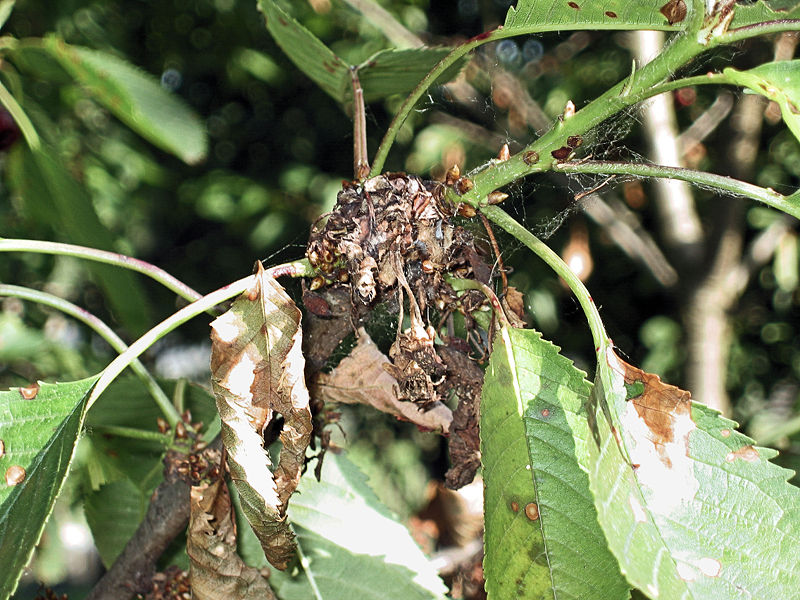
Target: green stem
(676,84)
(98,326)
(537,156)
(748,31)
(22,120)
(111,258)
(296,269)
(501,218)
(134,434)
(768,196)
(417,93)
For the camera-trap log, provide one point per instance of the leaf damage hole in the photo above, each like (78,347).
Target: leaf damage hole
(15,475)
(30,392)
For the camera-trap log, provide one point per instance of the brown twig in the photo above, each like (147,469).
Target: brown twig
(132,572)
(500,266)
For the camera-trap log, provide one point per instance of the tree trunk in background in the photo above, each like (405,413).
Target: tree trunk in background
(703,259)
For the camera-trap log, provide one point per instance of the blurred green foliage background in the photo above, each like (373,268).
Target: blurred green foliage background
(279,149)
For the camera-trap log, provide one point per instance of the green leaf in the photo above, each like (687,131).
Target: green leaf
(391,72)
(690,507)
(353,547)
(542,537)
(778,81)
(123,472)
(558,15)
(53,196)
(306,51)
(385,73)
(113,514)
(38,432)
(136,98)
(763,11)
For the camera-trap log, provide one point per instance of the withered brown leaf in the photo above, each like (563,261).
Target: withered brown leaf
(257,371)
(360,378)
(217,572)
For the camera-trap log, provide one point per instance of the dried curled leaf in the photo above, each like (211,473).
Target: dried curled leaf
(217,572)
(361,378)
(256,371)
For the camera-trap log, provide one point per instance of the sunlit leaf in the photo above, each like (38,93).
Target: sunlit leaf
(217,572)
(257,371)
(778,81)
(706,512)
(136,98)
(560,15)
(353,546)
(542,537)
(39,427)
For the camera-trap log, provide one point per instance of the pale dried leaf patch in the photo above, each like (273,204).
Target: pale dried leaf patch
(656,425)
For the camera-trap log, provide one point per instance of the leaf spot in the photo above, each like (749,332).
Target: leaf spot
(545,412)
(710,567)
(611,14)
(573,5)
(674,11)
(690,569)
(532,511)
(747,453)
(639,514)
(30,392)
(15,475)
(2,449)
(515,506)
(725,432)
